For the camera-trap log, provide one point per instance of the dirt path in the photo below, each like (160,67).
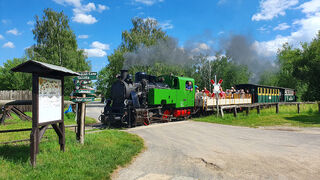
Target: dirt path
(196,150)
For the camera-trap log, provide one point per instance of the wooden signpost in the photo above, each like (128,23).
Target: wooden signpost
(47,101)
(81,94)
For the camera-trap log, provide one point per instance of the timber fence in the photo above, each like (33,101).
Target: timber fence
(17,95)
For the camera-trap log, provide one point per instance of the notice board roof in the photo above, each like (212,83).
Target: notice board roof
(42,68)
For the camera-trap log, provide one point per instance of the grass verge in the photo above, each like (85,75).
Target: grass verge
(102,153)
(288,116)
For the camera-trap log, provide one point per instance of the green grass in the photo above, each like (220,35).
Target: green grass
(102,153)
(16,123)
(288,116)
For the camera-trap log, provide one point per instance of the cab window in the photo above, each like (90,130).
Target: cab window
(189,86)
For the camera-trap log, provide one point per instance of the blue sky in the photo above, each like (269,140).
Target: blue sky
(98,24)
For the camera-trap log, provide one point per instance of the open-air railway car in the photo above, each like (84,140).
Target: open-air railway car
(208,103)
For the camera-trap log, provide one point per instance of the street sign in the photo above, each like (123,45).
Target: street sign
(83,87)
(79,99)
(90,77)
(84,91)
(88,73)
(87,76)
(82,82)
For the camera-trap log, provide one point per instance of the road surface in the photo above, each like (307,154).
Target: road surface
(94,109)
(190,150)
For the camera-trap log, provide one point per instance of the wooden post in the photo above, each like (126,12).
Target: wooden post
(319,106)
(82,120)
(247,111)
(298,106)
(217,104)
(235,111)
(221,111)
(277,108)
(81,113)
(258,109)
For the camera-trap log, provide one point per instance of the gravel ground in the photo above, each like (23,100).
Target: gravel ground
(197,150)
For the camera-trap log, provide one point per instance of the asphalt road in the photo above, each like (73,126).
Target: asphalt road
(94,109)
(195,150)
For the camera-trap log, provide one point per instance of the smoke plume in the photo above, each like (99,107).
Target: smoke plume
(237,48)
(164,51)
(240,50)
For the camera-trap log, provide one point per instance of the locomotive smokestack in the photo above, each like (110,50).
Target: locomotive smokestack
(124,74)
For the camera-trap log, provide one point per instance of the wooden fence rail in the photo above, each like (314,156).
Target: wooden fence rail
(259,105)
(18,95)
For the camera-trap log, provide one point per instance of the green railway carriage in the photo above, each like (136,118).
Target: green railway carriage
(268,94)
(288,95)
(176,96)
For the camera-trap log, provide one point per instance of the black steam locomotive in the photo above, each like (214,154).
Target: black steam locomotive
(129,100)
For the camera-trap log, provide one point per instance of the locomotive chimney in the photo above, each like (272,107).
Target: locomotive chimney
(124,74)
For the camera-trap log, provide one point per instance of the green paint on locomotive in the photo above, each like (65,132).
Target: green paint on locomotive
(177,96)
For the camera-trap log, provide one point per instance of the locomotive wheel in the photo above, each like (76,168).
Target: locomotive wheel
(146,121)
(165,115)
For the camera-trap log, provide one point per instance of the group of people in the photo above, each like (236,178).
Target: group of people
(229,92)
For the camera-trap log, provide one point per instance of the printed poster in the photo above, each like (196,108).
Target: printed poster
(49,99)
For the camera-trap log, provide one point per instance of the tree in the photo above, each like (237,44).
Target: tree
(57,44)
(307,69)
(14,80)
(286,58)
(144,32)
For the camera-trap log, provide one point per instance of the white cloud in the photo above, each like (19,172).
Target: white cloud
(83,36)
(221,2)
(9,44)
(95,52)
(281,27)
(84,18)
(31,23)
(148,2)
(310,7)
(85,8)
(14,31)
(81,12)
(99,45)
(200,47)
(308,27)
(75,3)
(220,33)
(262,28)
(273,8)
(5,21)
(166,25)
(102,8)
(1,37)
(97,49)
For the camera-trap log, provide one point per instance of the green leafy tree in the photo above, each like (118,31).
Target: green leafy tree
(14,80)
(286,58)
(57,44)
(269,78)
(307,69)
